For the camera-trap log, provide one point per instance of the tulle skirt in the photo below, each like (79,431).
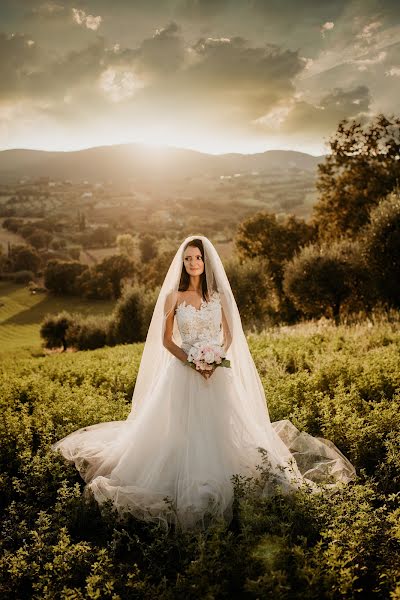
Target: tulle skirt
(174,461)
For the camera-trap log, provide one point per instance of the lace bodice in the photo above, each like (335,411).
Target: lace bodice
(198,325)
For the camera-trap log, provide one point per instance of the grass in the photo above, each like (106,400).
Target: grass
(341,383)
(21,314)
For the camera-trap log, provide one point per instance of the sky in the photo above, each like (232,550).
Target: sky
(211,75)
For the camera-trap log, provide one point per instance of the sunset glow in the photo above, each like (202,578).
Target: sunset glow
(238,78)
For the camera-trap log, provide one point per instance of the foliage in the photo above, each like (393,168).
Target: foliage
(128,323)
(253,290)
(23,276)
(13,223)
(88,333)
(362,167)
(23,258)
(382,248)
(339,382)
(39,239)
(104,280)
(54,329)
(148,247)
(322,278)
(276,240)
(126,244)
(132,314)
(61,277)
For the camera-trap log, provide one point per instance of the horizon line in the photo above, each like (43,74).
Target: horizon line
(158,146)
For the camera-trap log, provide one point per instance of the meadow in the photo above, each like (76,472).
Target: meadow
(339,382)
(21,313)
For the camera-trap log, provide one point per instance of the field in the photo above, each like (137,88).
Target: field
(22,312)
(342,383)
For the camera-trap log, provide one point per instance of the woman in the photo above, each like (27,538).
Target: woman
(199,413)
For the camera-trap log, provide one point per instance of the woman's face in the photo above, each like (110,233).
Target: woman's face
(193,260)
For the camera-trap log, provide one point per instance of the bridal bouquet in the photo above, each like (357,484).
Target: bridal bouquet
(206,356)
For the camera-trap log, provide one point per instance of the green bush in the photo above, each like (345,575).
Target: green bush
(23,276)
(323,280)
(382,248)
(127,323)
(342,383)
(88,333)
(54,329)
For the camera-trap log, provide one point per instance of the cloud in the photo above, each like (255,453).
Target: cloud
(47,10)
(368,31)
(393,72)
(245,79)
(19,57)
(363,64)
(89,21)
(221,67)
(309,120)
(328,26)
(162,53)
(202,8)
(119,84)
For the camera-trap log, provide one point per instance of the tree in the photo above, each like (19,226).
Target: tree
(105,279)
(273,239)
(251,288)
(127,323)
(54,330)
(322,278)
(132,314)
(13,223)
(148,247)
(25,258)
(102,236)
(126,244)
(382,248)
(40,239)
(61,277)
(363,167)
(116,268)
(94,284)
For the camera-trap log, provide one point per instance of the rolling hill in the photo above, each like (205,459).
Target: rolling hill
(138,162)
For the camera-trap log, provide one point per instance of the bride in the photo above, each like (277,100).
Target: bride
(194,424)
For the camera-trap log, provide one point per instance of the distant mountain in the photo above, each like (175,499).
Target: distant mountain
(141,162)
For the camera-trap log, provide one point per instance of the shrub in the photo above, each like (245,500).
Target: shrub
(54,329)
(338,382)
(25,258)
(253,290)
(60,276)
(382,248)
(321,279)
(23,276)
(132,314)
(88,333)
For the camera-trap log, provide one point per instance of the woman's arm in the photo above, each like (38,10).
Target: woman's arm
(169,344)
(226,331)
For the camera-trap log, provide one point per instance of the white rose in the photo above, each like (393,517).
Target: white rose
(209,356)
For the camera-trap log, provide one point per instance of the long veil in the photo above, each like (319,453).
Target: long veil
(156,357)
(289,449)
(184,440)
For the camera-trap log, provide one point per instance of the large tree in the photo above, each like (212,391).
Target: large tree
(321,279)
(60,277)
(362,168)
(382,248)
(276,240)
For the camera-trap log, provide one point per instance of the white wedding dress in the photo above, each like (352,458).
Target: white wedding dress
(174,461)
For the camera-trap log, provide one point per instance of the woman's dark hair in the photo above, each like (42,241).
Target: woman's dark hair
(185,277)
